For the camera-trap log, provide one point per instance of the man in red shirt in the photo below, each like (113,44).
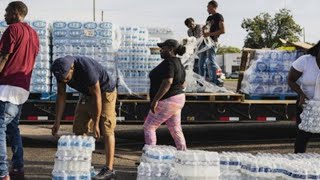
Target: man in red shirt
(19,46)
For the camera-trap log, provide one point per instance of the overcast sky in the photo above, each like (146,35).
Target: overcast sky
(172,13)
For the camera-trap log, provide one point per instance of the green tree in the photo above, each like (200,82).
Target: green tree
(227,49)
(264,30)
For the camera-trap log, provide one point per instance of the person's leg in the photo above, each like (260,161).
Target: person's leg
(175,129)
(13,133)
(302,137)
(153,121)
(8,112)
(202,61)
(81,118)
(211,64)
(107,125)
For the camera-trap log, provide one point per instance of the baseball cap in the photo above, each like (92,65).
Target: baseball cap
(170,43)
(61,66)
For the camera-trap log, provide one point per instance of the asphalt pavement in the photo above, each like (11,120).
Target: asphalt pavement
(277,137)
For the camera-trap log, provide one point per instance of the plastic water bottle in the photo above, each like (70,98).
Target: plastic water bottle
(59,175)
(63,143)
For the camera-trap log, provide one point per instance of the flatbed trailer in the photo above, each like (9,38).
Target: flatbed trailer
(199,108)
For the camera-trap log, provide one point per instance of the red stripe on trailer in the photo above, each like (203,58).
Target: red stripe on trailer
(69,118)
(35,118)
(32,118)
(225,118)
(261,118)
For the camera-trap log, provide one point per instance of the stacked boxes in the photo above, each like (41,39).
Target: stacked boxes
(73,158)
(90,39)
(268,74)
(132,60)
(41,76)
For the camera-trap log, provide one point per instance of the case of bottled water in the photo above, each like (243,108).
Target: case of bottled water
(73,158)
(268,72)
(156,162)
(310,121)
(163,33)
(196,164)
(132,60)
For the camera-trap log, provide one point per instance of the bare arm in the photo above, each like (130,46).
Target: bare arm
(164,88)
(216,33)
(60,104)
(3,60)
(293,77)
(95,92)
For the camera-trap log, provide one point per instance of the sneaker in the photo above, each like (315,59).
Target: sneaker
(105,174)
(16,174)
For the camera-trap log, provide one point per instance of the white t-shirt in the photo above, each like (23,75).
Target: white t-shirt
(307,64)
(13,94)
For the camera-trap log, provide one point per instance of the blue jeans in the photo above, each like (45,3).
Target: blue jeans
(207,60)
(9,122)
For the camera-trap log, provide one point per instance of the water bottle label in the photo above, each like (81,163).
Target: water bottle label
(39,24)
(58,178)
(59,25)
(71,178)
(84,177)
(3,24)
(75,25)
(90,25)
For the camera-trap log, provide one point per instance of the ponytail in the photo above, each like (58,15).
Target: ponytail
(181,50)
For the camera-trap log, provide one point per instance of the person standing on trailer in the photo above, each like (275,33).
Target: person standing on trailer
(213,29)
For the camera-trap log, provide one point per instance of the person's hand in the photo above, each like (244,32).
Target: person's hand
(302,99)
(153,107)
(55,128)
(96,131)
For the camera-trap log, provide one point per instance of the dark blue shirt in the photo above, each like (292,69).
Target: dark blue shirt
(87,72)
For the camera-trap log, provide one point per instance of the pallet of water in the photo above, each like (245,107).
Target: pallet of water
(266,166)
(73,158)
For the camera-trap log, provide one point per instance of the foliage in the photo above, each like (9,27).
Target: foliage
(264,30)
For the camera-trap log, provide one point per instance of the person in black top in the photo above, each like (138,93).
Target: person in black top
(213,29)
(167,82)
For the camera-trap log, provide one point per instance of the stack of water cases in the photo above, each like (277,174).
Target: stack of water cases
(91,39)
(268,73)
(41,76)
(196,165)
(156,162)
(132,60)
(265,166)
(73,158)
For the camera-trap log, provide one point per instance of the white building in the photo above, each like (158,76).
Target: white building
(229,62)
